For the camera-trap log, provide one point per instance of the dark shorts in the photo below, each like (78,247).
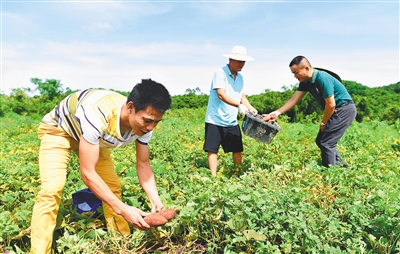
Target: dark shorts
(229,137)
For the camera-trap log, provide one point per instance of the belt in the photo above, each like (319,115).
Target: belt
(346,103)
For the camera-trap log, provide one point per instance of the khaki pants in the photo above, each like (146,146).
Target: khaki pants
(54,154)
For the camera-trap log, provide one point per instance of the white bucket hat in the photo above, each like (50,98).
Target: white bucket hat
(239,53)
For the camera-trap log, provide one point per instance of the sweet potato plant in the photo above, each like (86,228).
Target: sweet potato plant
(279,201)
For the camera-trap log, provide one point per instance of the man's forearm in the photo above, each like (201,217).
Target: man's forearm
(287,106)
(328,112)
(329,109)
(228,100)
(148,183)
(97,185)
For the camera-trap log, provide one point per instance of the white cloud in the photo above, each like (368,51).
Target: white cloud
(112,11)
(13,19)
(98,26)
(80,65)
(149,48)
(119,66)
(99,7)
(222,10)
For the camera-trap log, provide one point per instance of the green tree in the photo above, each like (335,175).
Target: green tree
(195,91)
(49,89)
(19,101)
(355,88)
(193,98)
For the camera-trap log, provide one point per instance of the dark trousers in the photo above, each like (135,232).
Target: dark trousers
(334,130)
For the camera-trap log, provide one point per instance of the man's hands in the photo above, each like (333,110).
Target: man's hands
(271,117)
(243,110)
(322,127)
(157,207)
(254,111)
(134,217)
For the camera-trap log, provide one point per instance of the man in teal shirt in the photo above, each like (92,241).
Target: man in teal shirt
(339,108)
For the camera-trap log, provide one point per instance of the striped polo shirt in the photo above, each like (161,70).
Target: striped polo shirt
(95,115)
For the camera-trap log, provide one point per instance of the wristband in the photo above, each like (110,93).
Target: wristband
(323,124)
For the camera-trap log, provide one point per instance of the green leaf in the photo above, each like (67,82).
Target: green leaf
(245,197)
(252,234)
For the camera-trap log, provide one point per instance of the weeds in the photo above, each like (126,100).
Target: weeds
(279,201)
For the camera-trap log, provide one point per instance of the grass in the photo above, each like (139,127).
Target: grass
(279,201)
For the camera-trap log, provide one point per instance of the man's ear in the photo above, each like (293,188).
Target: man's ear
(308,69)
(130,106)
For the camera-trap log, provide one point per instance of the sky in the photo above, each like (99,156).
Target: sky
(180,44)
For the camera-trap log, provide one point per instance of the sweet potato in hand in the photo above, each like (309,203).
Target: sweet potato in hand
(167,213)
(155,220)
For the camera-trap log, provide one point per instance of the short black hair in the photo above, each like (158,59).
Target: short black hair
(150,93)
(297,60)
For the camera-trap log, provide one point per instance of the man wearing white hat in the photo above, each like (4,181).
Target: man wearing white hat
(226,99)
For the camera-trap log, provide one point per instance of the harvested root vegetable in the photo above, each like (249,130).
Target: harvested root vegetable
(167,213)
(155,220)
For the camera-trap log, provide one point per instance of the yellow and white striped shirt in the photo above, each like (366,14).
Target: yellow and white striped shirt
(95,115)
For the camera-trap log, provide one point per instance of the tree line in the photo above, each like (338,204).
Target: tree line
(378,103)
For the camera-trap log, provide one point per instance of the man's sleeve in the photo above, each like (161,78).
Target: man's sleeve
(219,80)
(302,87)
(327,87)
(145,139)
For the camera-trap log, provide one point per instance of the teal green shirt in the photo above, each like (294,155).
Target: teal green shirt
(322,86)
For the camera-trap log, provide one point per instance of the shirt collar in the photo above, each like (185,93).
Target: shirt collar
(314,76)
(228,70)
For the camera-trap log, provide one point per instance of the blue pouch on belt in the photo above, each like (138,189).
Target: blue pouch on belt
(86,202)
